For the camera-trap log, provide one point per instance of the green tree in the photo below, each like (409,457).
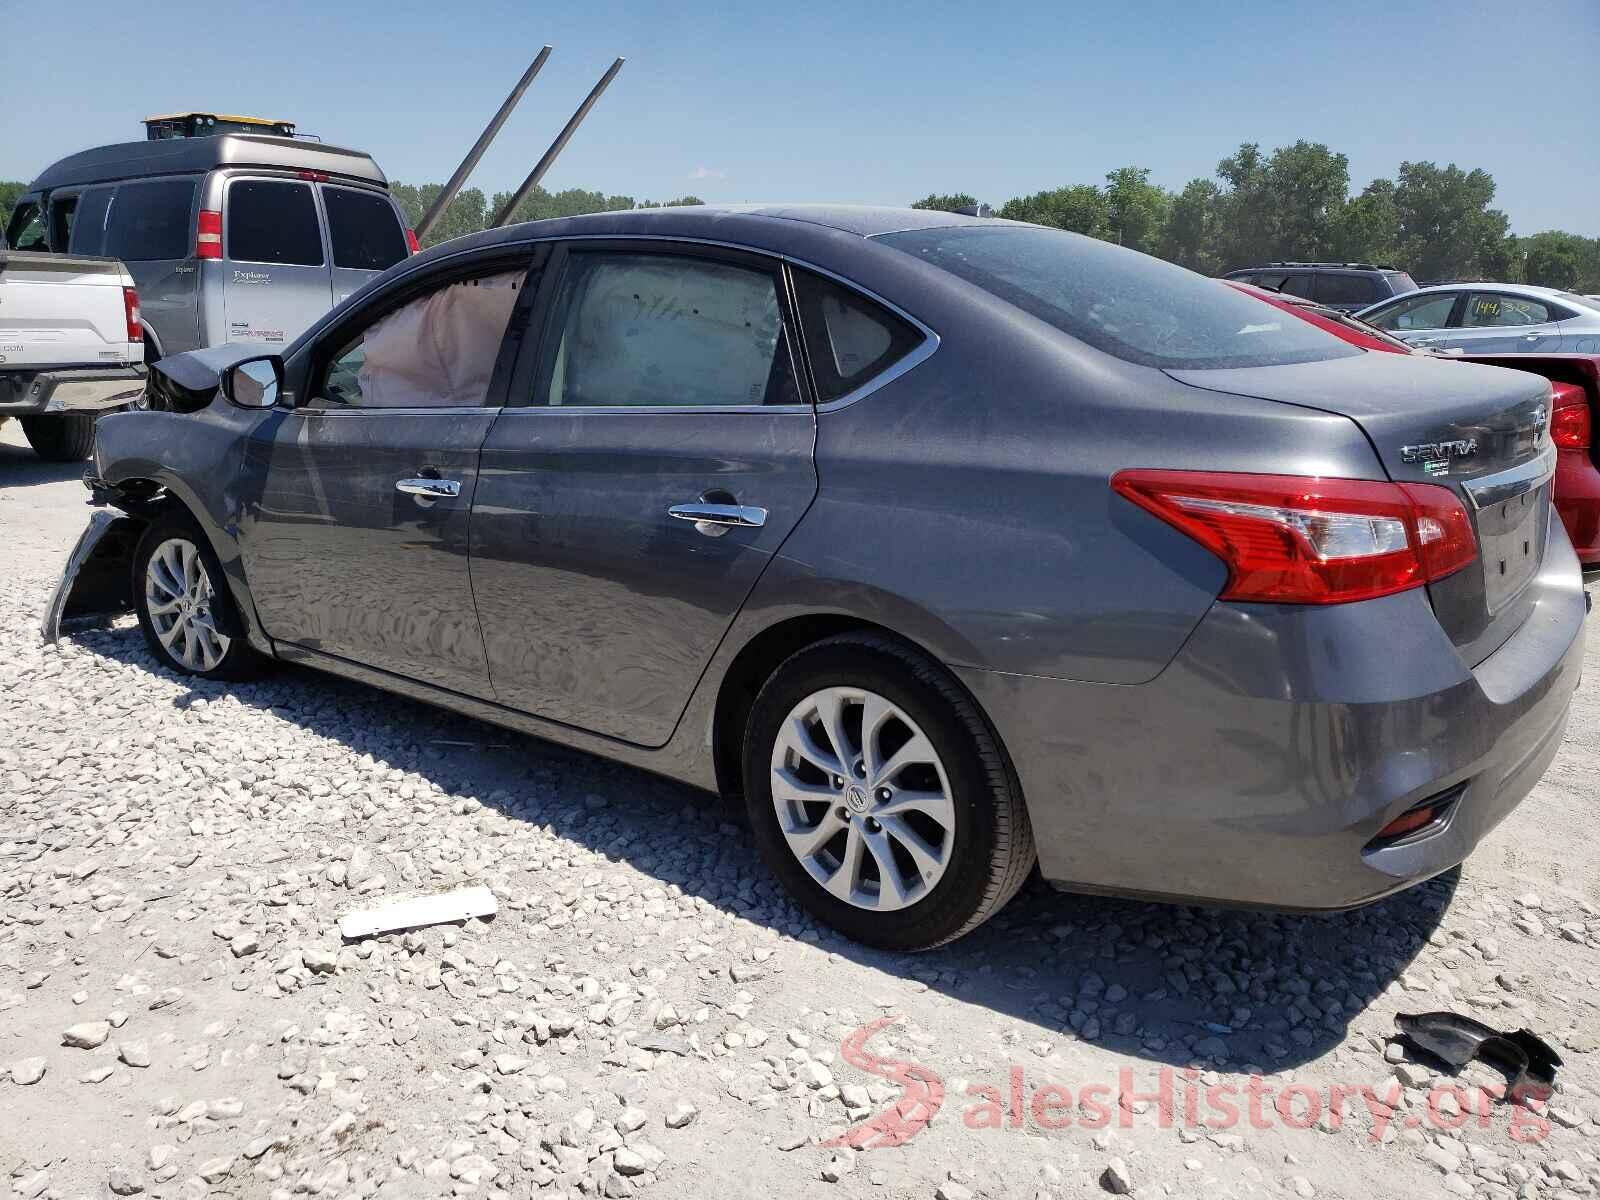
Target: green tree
(680,202)
(1367,228)
(1307,184)
(1079,207)
(1136,209)
(540,205)
(1447,229)
(1190,235)
(1247,224)
(1557,259)
(10,191)
(466,213)
(945,203)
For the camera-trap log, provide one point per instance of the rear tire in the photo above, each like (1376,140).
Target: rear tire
(929,837)
(184,605)
(64,437)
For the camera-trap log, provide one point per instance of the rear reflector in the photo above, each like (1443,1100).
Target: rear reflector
(1570,420)
(1417,821)
(208,235)
(1289,539)
(411,240)
(130,309)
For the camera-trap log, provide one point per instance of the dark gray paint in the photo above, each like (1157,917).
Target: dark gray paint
(1167,744)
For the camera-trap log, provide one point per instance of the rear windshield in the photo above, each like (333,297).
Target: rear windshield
(365,232)
(151,221)
(1401,283)
(1124,303)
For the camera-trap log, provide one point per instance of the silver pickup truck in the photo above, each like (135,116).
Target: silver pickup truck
(71,347)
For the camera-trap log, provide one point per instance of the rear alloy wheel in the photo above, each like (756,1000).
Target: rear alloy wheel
(879,796)
(63,437)
(181,611)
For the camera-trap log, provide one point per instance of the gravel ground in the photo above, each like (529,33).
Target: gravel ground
(647,1013)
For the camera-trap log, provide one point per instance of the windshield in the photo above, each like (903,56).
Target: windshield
(1124,303)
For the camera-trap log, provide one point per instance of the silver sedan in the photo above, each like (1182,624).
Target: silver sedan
(1492,318)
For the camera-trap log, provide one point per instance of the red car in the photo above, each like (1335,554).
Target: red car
(1574,408)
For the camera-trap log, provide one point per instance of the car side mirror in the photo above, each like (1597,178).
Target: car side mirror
(255,382)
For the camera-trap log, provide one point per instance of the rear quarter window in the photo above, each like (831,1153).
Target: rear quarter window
(151,221)
(89,228)
(1347,289)
(363,228)
(1119,301)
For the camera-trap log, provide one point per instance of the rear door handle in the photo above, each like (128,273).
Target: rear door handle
(720,516)
(433,489)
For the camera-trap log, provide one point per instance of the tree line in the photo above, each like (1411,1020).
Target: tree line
(1295,205)
(1436,222)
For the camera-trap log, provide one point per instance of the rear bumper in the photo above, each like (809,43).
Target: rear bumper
(1577,500)
(73,389)
(1258,766)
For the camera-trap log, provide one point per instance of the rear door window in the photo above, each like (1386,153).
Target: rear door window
(151,221)
(850,339)
(89,226)
(272,221)
(364,231)
(1492,309)
(1346,289)
(1297,285)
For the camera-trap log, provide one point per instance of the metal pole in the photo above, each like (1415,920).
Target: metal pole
(565,136)
(442,201)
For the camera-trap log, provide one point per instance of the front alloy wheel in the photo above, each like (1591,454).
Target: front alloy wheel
(178,596)
(185,611)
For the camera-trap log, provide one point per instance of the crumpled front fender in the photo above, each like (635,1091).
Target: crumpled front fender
(98,578)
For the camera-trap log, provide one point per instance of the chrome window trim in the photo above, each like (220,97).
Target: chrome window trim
(930,343)
(1488,490)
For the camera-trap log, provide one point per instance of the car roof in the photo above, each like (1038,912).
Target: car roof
(185,156)
(1511,289)
(776,228)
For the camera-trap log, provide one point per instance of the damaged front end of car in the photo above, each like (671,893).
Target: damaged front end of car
(98,578)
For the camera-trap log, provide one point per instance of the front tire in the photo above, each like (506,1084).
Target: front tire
(880,797)
(183,604)
(64,437)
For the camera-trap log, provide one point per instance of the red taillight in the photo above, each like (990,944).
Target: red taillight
(411,241)
(208,235)
(130,309)
(314,176)
(1570,423)
(1289,539)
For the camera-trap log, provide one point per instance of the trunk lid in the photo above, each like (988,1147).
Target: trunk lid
(1481,431)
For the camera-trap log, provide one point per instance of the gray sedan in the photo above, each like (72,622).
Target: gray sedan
(938,546)
(1492,318)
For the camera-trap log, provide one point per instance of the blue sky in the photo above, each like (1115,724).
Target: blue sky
(878,102)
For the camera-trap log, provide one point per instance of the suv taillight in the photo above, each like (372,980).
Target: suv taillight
(130,309)
(411,240)
(208,234)
(1289,539)
(1570,421)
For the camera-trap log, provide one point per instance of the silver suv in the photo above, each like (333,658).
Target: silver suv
(233,237)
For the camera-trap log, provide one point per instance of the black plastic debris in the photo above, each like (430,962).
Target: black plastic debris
(1527,1060)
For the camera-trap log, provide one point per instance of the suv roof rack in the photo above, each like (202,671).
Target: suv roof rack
(1350,266)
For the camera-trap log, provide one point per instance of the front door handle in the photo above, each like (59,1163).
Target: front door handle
(433,489)
(718,518)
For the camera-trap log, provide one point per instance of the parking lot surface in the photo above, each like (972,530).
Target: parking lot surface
(647,1012)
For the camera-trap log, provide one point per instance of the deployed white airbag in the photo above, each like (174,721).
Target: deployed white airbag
(439,351)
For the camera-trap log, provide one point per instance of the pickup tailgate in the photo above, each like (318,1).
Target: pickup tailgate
(59,310)
(1481,431)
